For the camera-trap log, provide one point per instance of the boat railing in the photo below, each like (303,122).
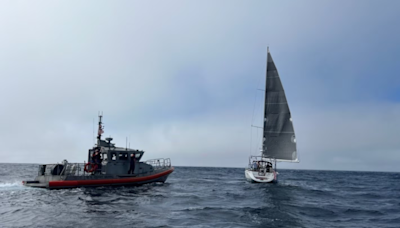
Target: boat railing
(63,169)
(159,163)
(78,169)
(261,162)
(74,169)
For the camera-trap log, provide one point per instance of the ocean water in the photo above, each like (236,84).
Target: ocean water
(207,197)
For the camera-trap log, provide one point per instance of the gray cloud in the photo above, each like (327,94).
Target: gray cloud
(179,78)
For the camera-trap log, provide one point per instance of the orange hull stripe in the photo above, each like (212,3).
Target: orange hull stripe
(128,180)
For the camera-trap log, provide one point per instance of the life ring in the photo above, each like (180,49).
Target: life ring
(92,169)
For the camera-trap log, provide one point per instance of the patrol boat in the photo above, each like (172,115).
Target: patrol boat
(109,168)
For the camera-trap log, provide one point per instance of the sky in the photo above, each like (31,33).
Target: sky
(180,79)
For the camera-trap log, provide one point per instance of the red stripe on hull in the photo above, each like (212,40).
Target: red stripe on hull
(129,180)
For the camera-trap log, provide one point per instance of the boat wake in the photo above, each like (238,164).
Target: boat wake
(14,184)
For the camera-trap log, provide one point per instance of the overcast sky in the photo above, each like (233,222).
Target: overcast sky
(180,79)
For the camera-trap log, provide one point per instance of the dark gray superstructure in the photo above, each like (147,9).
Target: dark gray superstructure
(110,167)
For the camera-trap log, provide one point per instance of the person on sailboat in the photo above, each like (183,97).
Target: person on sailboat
(255,166)
(269,166)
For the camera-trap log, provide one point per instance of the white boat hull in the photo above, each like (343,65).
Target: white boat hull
(255,176)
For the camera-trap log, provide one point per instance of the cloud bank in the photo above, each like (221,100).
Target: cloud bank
(179,79)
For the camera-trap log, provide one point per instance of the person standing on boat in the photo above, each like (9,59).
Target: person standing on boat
(97,159)
(94,157)
(269,167)
(255,166)
(132,164)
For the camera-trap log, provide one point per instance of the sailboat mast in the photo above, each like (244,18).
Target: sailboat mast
(265,107)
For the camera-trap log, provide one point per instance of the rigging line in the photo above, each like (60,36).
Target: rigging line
(93,131)
(252,121)
(254,107)
(257,138)
(251,140)
(255,97)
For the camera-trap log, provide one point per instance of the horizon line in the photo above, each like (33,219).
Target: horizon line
(227,167)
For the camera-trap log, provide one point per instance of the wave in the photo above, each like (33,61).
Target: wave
(355,212)
(200,208)
(207,196)
(11,184)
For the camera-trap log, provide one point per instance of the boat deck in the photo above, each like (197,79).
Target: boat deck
(73,175)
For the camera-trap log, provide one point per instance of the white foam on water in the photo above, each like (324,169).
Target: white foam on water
(11,184)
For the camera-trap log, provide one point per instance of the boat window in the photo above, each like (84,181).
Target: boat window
(113,156)
(57,169)
(42,169)
(91,152)
(137,155)
(123,156)
(104,156)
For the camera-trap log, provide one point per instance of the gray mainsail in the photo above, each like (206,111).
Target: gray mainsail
(279,140)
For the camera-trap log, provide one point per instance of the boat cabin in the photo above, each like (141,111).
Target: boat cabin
(116,160)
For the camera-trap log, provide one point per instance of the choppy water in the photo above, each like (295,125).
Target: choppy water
(207,197)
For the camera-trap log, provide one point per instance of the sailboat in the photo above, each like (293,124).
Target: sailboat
(279,139)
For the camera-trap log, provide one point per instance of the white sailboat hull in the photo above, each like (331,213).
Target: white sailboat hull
(259,177)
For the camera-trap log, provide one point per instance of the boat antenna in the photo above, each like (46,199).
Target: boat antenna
(93,133)
(100,131)
(126,143)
